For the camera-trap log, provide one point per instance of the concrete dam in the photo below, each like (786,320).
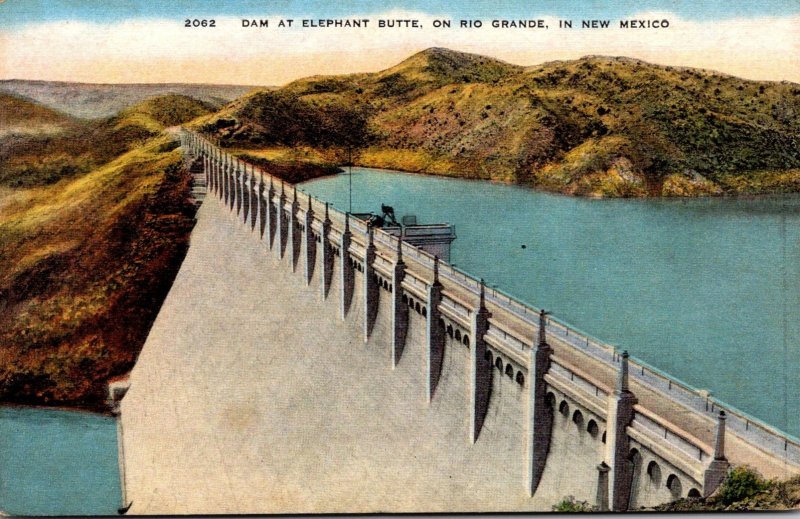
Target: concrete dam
(305,362)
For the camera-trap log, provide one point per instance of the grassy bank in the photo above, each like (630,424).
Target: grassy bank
(94,224)
(84,267)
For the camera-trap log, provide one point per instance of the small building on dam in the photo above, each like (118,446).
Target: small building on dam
(307,362)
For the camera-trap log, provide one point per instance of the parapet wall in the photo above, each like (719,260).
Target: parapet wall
(581,418)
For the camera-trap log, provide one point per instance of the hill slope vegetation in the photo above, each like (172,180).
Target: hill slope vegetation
(87,257)
(597,126)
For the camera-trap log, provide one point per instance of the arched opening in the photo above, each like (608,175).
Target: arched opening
(442,324)
(510,370)
(674,486)
(424,312)
(694,493)
(551,400)
(520,378)
(634,455)
(391,288)
(577,418)
(593,429)
(385,284)
(458,334)
(410,303)
(488,356)
(416,307)
(405,299)
(564,408)
(450,330)
(603,439)
(654,473)
(465,340)
(499,364)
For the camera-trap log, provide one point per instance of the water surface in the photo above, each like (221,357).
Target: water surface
(707,290)
(55,462)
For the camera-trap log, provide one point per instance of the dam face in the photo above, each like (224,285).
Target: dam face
(303,363)
(252,396)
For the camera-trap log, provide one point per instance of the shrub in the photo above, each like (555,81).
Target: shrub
(570,505)
(741,483)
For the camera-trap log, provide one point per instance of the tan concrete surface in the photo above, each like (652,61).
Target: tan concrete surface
(251,396)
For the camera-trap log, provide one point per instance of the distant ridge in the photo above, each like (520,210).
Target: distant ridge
(595,126)
(21,116)
(100,100)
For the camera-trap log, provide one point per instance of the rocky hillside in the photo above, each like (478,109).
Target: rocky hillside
(597,126)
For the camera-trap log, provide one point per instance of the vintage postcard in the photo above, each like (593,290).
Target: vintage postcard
(410,256)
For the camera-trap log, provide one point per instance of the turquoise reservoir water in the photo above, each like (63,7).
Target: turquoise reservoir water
(57,463)
(707,290)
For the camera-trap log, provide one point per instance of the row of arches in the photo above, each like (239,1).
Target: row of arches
(357,265)
(415,305)
(577,418)
(509,368)
(455,333)
(654,476)
(383,283)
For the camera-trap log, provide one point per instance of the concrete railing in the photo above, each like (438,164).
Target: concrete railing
(753,430)
(672,433)
(581,379)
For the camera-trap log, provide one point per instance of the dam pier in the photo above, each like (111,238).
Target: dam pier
(307,362)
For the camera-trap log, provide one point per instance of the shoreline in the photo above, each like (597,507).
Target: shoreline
(63,408)
(538,189)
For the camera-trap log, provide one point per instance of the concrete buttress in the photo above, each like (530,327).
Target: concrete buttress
(399,310)
(280,223)
(346,279)
(434,334)
(293,234)
(310,256)
(327,256)
(480,383)
(620,415)
(540,414)
(371,295)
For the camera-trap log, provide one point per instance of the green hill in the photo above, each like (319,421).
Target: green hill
(87,257)
(597,126)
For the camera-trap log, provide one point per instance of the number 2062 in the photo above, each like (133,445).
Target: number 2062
(199,23)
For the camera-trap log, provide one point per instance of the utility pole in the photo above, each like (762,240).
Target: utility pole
(350,175)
